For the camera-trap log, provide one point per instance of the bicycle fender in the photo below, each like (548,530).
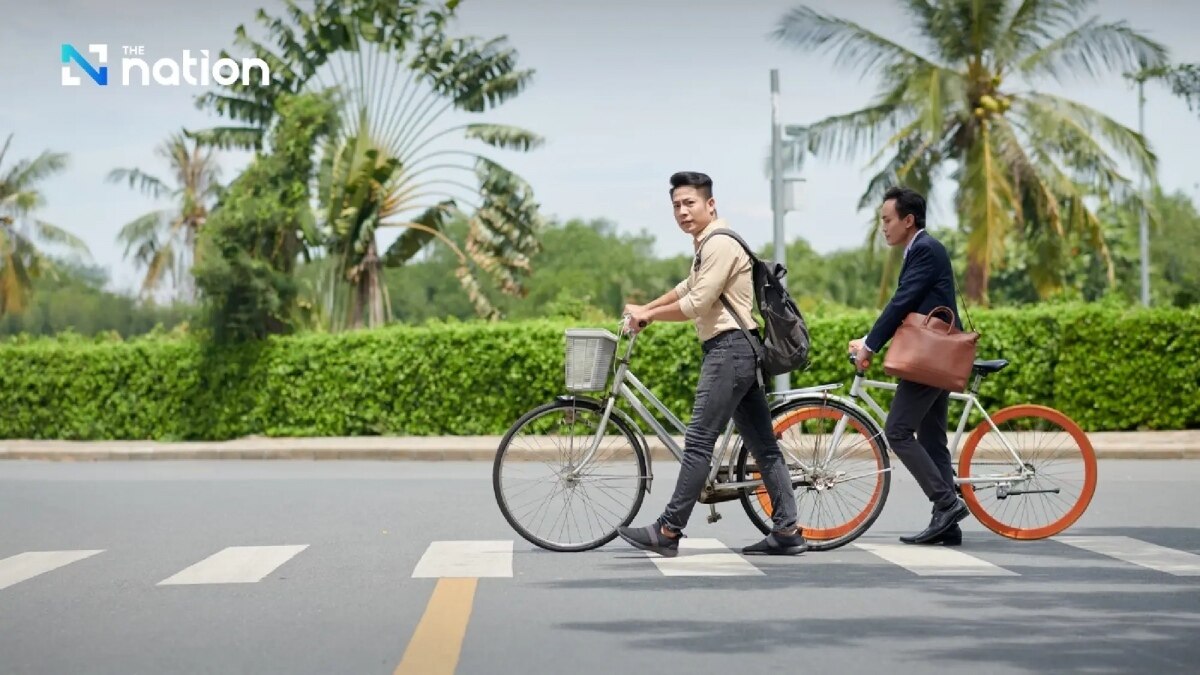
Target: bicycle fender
(639,437)
(825,396)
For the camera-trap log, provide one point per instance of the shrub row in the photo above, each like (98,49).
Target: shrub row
(1107,368)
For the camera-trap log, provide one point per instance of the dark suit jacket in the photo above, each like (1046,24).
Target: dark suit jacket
(926,281)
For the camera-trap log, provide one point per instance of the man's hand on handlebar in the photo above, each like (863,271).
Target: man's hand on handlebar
(631,324)
(636,318)
(860,356)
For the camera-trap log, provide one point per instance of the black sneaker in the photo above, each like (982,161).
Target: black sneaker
(650,538)
(778,544)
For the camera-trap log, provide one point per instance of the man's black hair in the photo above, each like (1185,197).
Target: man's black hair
(700,181)
(908,203)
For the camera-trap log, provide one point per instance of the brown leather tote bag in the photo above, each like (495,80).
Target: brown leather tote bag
(930,351)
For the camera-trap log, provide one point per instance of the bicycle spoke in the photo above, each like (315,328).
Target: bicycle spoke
(1054,455)
(544,493)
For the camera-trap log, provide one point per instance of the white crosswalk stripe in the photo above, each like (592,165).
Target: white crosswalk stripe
(1137,552)
(235,565)
(935,561)
(704,558)
(465,559)
(698,557)
(25,566)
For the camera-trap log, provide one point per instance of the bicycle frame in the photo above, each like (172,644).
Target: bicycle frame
(858,390)
(627,386)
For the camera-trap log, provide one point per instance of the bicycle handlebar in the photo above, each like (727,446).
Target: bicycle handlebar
(625,323)
(860,372)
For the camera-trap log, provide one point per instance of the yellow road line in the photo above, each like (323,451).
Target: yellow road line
(437,641)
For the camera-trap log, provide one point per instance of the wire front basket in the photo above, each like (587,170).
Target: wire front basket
(589,358)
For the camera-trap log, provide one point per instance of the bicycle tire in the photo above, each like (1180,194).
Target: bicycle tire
(608,534)
(989,514)
(827,536)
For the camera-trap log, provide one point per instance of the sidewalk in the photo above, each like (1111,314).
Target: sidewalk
(1108,445)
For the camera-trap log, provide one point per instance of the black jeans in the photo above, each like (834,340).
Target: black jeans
(729,387)
(922,409)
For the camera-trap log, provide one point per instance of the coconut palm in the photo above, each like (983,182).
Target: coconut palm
(958,99)
(21,259)
(164,241)
(408,93)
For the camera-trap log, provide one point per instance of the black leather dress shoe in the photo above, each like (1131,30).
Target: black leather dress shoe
(943,520)
(951,537)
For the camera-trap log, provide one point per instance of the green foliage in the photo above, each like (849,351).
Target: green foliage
(23,236)
(1130,369)
(582,266)
(75,300)
(397,162)
(1107,368)
(969,105)
(1174,256)
(261,226)
(1184,80)
(163,241)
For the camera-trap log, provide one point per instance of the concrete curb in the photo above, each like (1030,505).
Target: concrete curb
(1108,445)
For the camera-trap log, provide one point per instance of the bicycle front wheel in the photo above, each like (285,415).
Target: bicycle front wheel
(1040,491)
(544,493)
(845,477)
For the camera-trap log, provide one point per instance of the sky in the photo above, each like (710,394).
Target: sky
(626,92)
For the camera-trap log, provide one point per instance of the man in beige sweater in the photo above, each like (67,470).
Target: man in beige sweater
(730,384)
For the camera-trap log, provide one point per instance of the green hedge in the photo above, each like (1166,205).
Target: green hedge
(1107,368)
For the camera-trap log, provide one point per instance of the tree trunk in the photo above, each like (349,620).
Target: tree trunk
(370,296)
(977,280)
(887,279)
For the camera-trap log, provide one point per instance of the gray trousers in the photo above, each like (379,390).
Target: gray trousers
(922,409)
(729,387)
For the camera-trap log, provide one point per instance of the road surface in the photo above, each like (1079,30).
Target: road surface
(324,567)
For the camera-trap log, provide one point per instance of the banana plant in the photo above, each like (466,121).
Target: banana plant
(408,94)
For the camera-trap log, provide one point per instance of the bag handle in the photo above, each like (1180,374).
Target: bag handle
(941,309)
(964,303)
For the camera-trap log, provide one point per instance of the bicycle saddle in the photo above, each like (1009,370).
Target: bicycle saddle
(993,366)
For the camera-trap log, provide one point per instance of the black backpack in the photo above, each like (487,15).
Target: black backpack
(785,333)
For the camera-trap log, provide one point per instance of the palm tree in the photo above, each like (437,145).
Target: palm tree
(957,96)
(164,241)
(21,261)
(406,90)
(1184,79)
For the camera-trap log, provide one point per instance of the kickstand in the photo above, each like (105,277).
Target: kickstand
(714,516)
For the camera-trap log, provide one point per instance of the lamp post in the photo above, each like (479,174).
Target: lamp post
(780,203)
(781,381)
(1140,78)
(1144,227)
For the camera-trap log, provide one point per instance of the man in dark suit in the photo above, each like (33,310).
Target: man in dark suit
(926,282)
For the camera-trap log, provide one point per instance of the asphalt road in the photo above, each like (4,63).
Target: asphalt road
(308,567)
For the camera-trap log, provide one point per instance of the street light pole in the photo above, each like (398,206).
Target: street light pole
(1144,229)
(782,382)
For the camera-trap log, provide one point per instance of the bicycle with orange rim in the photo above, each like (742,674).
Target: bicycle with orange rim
(1026,472)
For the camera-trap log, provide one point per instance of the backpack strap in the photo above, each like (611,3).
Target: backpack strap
(754,346)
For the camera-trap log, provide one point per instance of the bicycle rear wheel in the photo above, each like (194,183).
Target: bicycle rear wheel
(1051,445)
(846,486)
(537,493)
